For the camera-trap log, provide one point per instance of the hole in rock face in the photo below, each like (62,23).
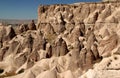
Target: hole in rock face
(89,28)
(1,71)
(101,57)
(47,55)
(115,58)
(70,55)
(110,60)
(108,64)
(21,71)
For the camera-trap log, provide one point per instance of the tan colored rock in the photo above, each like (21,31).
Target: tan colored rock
(108,44)
(7,33)
(39,41)
(70,40)
(23,28)
(95,50)
(76,32)
(92,18)
(67,74)
(59,48)
(109,0)
(29,74)
(46,74)
(3,50)
(108,67)
(32,25)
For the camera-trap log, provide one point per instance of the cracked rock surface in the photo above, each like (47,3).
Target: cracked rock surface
(80,40)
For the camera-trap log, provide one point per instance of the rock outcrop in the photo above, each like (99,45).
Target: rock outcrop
(110,0)
(78,40)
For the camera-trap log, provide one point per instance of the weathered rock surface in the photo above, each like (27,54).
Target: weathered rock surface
(110,0)
(32,25)
(70,41)
(108,67)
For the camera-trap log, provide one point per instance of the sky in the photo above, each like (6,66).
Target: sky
(27,9)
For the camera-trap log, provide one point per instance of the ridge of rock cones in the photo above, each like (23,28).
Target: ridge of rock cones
(69,41)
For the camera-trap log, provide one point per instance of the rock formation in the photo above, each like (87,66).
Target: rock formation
(78,40)
(32,25)
(110,0)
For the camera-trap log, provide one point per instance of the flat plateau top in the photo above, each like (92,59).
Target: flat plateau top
(82,3)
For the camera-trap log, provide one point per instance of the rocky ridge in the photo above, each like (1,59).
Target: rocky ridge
(70,41)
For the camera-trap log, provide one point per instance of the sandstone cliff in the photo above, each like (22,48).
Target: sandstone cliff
(79,40)
(109,0)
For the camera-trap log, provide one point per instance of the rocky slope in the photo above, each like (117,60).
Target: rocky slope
(110,0)
(79,40)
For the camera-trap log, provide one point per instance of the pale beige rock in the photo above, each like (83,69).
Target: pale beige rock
(16,76)
(22,28)
(47,74)
(68,41)
(8,65)
(110,0)
(110,63)
(101,74)
(29,74)
(109,45)
(67,74)
(32,25)
(107,66)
